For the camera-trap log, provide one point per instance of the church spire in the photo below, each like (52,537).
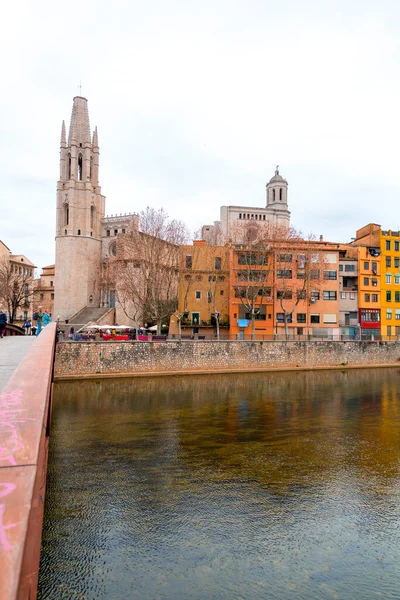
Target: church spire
(95,142)
(79,129)
(63,138)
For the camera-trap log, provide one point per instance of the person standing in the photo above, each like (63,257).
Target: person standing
(27,327)
(46,318)
(3,323)
(39,319)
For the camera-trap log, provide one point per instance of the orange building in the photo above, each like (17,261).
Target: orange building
(291,286)
(251,292)
(367,242)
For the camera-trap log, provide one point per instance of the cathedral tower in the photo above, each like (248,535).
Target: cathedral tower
(277,200)
(80,210)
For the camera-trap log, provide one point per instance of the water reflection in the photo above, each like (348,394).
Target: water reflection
(248,486)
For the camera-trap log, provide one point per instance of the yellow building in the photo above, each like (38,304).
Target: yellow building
(203,304)
(390,283)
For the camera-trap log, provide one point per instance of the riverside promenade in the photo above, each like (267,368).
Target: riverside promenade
(26,366)
(13,348)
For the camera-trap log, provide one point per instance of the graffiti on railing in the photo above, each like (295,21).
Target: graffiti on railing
(5,490)
(11,416)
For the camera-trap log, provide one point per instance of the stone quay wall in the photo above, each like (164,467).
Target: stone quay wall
(111,359)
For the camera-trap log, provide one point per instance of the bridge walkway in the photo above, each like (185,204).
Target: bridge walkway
(12,350)
(25,410)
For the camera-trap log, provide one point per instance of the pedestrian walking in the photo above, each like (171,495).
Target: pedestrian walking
(27,327)
(46,318)
(3,323)
(39,320)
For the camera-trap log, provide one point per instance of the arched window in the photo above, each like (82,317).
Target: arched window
(66,213)
(79,232)
(80,167)
(92,215)
(280,193)
(273,195)
(69,166)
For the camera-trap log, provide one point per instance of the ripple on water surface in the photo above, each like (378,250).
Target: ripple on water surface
(256,486)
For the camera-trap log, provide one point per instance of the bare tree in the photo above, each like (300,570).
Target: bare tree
(217,302)
(145,269)
(253,243)
(15,288)
(299,274)
(186,284)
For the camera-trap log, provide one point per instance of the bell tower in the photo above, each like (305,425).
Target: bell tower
(277,200)
(80,210)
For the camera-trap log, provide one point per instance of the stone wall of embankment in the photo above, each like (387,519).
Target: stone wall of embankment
(96,359)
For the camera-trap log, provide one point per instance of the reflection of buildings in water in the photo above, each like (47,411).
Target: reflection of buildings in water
(304,426)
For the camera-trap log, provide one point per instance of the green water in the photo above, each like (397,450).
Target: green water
(267,486)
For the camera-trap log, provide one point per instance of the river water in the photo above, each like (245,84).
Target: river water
(267,486)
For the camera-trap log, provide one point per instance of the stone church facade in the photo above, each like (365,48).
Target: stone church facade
(85,237)
(234,219)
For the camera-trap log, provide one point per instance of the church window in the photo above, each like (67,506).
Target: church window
(280,193)
(69,166)
(80,144)
(66,214)
(108,233)
(92,213)
(79,232)
(65,232)
(115,231)
(80,167)
(91,166)
(91,234)
(240,215)
(263,217)
(273,195)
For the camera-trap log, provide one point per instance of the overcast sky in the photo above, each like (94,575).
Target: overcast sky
(196,102)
